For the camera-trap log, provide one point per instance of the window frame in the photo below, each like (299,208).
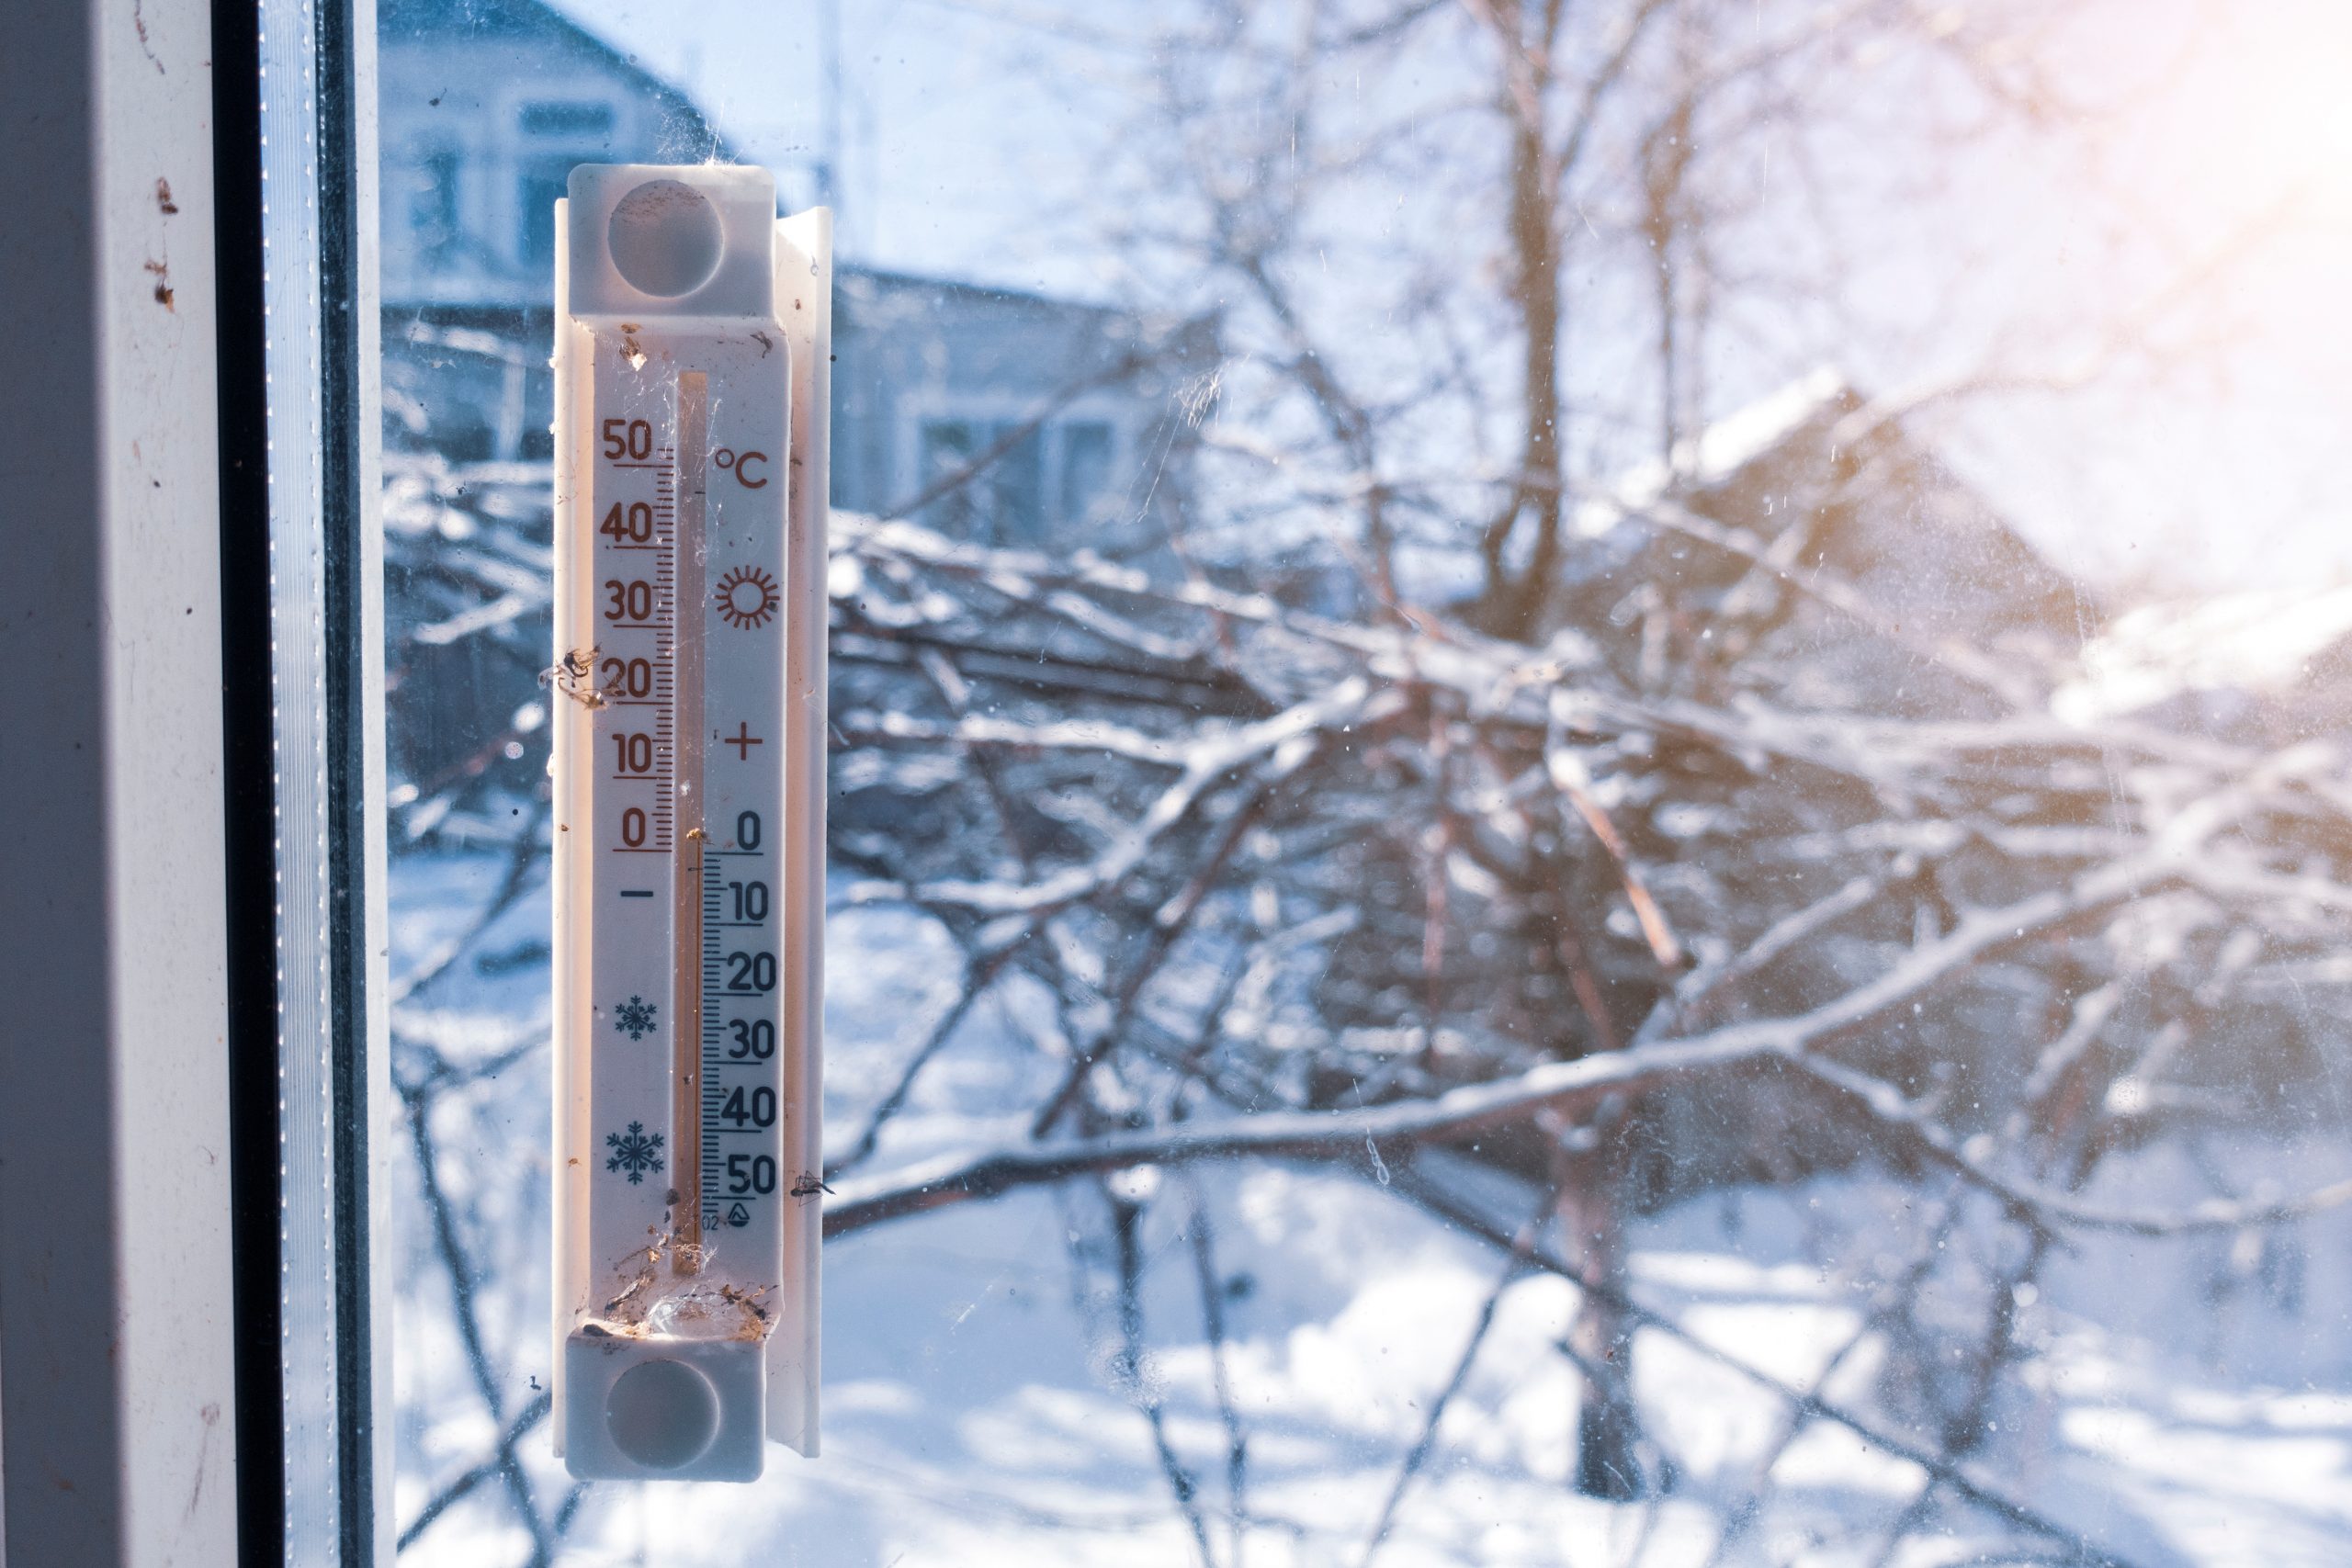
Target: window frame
(192,1346)
(310,1040)
(116,1411)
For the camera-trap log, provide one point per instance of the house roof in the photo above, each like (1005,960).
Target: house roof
(2265,644)
(1717,453)
(888,280)
(1714,465)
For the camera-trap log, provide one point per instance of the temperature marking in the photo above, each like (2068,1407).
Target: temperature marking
(748,598)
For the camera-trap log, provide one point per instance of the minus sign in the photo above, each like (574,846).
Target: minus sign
(636,893)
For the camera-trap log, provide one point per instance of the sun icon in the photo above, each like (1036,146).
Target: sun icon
(747,597)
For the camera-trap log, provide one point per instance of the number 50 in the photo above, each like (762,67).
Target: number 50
(750,1173)
(628,438)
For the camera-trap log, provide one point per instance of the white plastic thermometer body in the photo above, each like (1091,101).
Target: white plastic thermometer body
(691,340)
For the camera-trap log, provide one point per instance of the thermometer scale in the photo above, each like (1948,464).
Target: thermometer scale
(692,343)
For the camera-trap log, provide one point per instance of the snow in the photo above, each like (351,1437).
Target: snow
(979,1411)
(2254,643)
(1719,451)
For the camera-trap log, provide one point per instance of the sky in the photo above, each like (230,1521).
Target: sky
(940,107)
(971,135)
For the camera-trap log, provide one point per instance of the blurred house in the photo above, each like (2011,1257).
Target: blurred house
(1813,552)
(1814,555)
(485,107)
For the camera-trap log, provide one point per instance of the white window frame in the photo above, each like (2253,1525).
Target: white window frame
(191,1063)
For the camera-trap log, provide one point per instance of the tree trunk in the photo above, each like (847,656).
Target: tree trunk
(1516,604)
(1601,1338)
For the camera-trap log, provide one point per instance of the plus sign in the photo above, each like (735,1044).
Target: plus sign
(743,741)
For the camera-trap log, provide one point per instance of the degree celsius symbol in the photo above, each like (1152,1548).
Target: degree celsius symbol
(743,465)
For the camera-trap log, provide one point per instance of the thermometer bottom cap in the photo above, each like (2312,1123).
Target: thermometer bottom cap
(663,1409)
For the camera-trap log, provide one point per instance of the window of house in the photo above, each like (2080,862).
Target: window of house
(948,447)
(538,186)
(433,215)
(991,473)
(566,120)
(557,136)
(1085,467)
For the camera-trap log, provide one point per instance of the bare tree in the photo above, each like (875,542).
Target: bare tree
(1550,175)
(1841,940)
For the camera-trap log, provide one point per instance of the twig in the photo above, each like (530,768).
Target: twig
(462,1289)
(524,858)
(1237,1445)
(1126,1218)
(1419,1453)
(1979,1488)
(500,1459)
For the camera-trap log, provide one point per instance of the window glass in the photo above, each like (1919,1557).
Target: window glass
(1086,467)
(1586,790)
(433,206)
(948,447)
(538,187)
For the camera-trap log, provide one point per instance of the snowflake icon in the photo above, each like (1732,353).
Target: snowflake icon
(634,1017)
(636,1154)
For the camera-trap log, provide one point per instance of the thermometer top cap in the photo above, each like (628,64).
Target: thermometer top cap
(652,243)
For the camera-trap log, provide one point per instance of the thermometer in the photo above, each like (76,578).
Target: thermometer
(692,344)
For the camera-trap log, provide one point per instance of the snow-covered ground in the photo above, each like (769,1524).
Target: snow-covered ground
(2182,1401)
